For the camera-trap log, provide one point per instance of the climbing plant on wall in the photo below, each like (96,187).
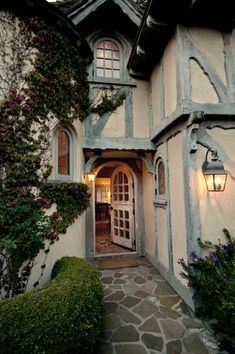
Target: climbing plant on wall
(42,80)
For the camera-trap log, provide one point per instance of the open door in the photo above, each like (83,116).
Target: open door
(122,208)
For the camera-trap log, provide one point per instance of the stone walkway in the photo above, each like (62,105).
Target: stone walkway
(145,316)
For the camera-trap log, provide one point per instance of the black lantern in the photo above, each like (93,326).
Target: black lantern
(214,173)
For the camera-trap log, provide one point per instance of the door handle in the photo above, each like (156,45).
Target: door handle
(111,208)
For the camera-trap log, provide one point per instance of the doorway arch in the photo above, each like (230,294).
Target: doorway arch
(124,222)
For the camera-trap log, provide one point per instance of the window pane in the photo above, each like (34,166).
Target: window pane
(100,72)
(63,153)
(116,64)
(161,178)
(100,45)
(108,73)
(109,45)
(116,74)
(108,64)
(100,53)
(116,55)
(100,63)
(126,196)
(108,54)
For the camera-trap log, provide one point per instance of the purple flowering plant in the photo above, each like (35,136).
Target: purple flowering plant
(212,280)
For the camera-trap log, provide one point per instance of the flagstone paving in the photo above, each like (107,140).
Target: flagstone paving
(145,316)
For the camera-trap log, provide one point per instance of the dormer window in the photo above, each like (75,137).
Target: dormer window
(107,60)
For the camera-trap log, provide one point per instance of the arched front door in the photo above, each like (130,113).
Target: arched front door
(122,208)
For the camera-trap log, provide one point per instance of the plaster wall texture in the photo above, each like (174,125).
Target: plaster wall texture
(233,46)
(161,215)
(141,110)
(210,43)
(162,239)
(217,208)
(115,126)
(78,153)
(170,69)
(148,211)
(156,83)
(202,90)
(70,244)
(176,195)
(73,242)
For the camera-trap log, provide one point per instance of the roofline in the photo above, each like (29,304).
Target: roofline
(55,17)
(160,20)
(79,11)
(138,35)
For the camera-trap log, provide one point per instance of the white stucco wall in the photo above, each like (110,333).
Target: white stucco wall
(161,213)
(73,242)
(141,110)
(176,184)
(115,126)
(162,236)
(216,209)
(148,209)
(156,83)
(210,43)
(233,46)
(70,244)
(169,72)
(202,90)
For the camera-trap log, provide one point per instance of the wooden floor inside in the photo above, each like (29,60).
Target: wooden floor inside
(104,244)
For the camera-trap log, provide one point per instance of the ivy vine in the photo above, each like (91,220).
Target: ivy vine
(109,104)
(42,79)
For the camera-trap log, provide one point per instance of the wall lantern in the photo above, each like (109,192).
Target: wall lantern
(214,173)
(91,176)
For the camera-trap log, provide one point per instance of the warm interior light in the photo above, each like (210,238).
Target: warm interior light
(91,177)
(214,173)
(215,183)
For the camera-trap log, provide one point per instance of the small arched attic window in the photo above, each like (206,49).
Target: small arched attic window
(64,154)
(160,190)
(108,60)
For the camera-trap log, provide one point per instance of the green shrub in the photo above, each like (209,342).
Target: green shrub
(64,316)
(212,279)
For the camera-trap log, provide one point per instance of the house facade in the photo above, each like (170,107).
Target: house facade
(162,91)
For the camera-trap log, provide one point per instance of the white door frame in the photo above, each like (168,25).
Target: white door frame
(96,171)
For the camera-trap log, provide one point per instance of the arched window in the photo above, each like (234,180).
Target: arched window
(63,154)
(160,179)
(107,60)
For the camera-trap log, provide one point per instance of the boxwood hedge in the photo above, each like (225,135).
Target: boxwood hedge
(64,316)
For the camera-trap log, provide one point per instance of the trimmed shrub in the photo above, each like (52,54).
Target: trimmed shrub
(64,316)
